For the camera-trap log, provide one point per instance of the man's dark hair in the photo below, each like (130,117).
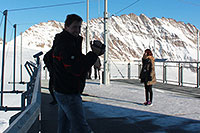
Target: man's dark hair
(71,18)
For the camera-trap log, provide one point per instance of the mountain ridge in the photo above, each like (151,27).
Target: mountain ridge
(129,36)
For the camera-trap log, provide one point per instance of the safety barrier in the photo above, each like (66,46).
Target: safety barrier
(181,73)
(28,120)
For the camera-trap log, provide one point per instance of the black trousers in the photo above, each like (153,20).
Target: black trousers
(96,72)
(51,88)
(148,92)
(89,74)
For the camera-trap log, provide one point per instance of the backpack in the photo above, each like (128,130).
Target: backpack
(48,60)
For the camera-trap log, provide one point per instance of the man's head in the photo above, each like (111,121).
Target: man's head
(73,24)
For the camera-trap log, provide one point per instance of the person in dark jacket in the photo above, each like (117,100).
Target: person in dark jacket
(48,60)
(97,67)
(70,71)
(51,89)
(147,75)
(89,74)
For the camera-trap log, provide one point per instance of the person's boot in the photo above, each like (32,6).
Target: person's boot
(145,103)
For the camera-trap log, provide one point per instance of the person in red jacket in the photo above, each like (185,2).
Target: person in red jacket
(70,71)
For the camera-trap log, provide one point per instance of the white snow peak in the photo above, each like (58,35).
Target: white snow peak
(129,36)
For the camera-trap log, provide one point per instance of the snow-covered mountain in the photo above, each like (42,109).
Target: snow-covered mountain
(129,36)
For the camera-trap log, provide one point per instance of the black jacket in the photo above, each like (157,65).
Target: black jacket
(146,70)
(70,65)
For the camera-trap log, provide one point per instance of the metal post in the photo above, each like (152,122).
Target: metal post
(87,29)
(179,74)
(3,56)
(45,76)
(198,58)
(139,69)
(21,60)
(106,71)
(197,45)
(129,71)
(23,101)
(197,75)
(164,72)
(14,58)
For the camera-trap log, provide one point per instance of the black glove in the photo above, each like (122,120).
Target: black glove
(97,47)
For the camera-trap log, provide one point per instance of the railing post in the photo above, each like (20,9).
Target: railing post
(45,74)
(28,94)
(129,70)
(181,76)
(197,75)
(139,69)
(164,73)
(23,97)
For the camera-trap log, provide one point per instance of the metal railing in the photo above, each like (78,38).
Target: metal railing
(28,119)
(182,73)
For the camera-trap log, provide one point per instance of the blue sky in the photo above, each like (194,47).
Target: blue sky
(187,11)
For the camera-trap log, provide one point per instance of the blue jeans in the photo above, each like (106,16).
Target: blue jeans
(71,117)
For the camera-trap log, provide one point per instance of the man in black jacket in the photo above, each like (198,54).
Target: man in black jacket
(70,70)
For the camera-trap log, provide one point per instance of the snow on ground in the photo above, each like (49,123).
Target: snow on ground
(125,100)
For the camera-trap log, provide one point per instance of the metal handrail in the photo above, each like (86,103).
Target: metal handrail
(27,118)
(30,115)
(163,66)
